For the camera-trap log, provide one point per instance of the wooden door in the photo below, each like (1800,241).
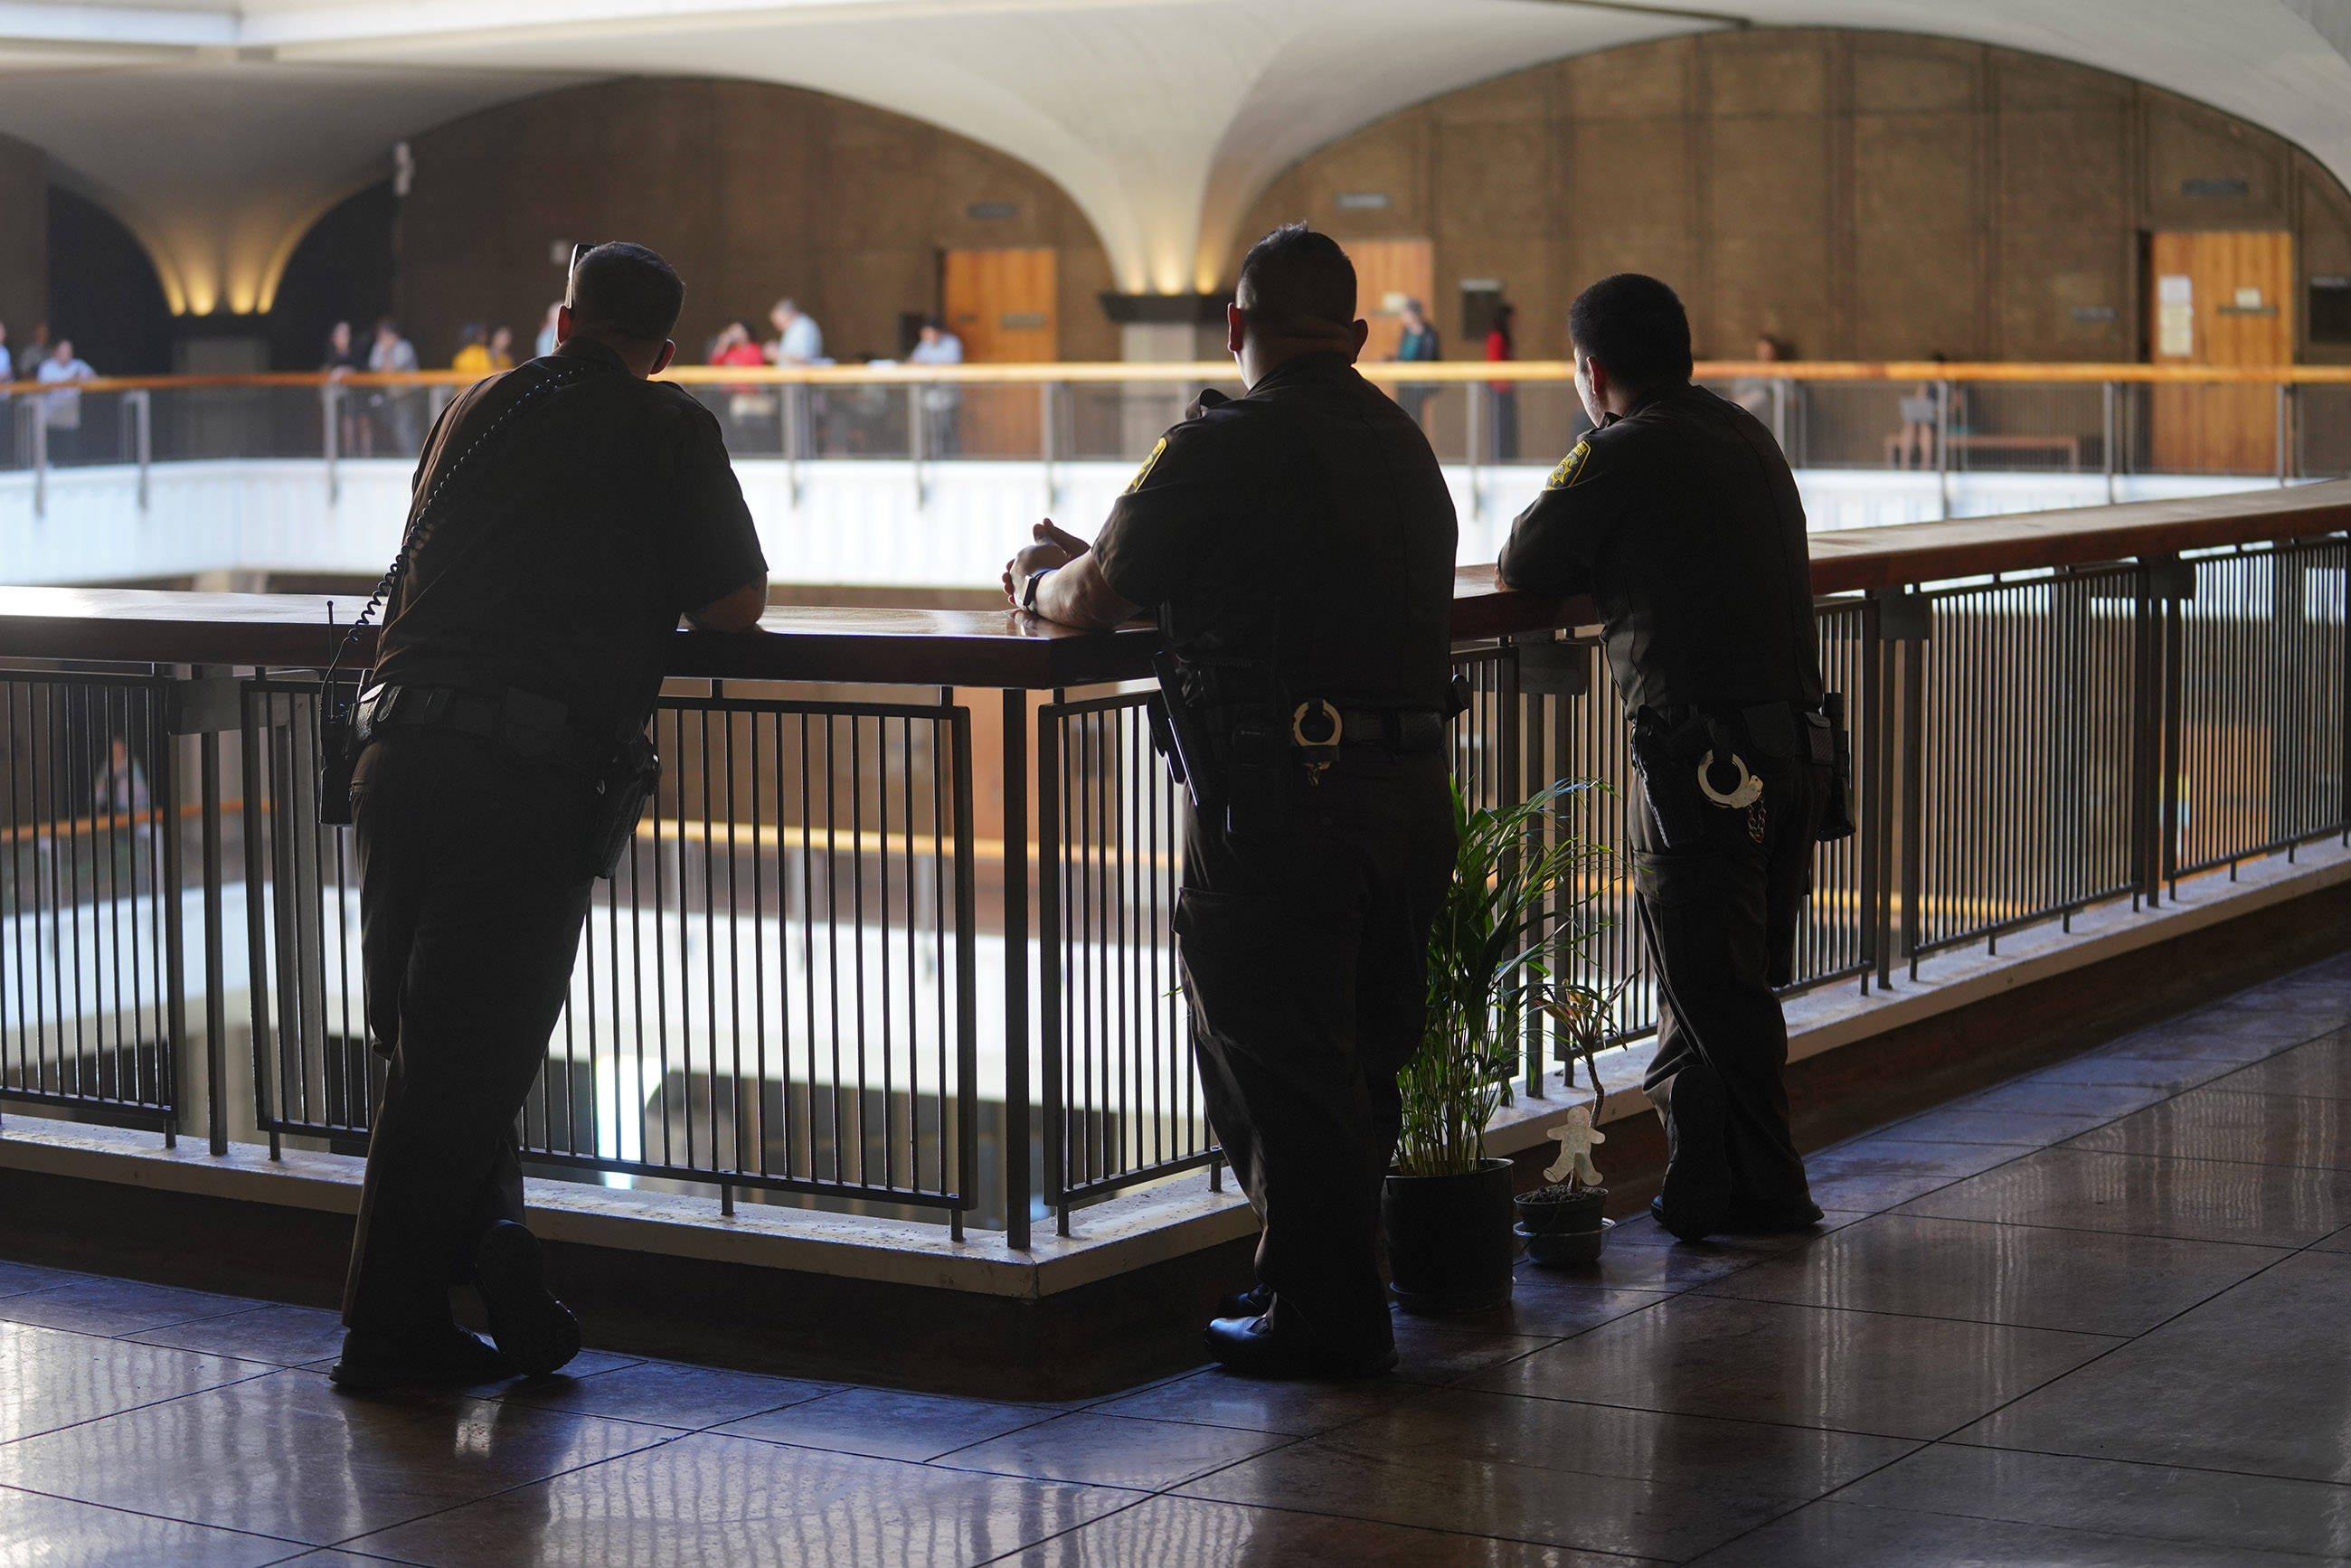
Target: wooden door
(2217,299)
(1387,272)
(1002,303)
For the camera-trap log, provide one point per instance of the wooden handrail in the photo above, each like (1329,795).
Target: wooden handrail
(1004,649)
(1196,374)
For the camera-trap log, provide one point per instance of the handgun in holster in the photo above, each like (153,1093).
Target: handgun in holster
(1179,733)
(1831,742)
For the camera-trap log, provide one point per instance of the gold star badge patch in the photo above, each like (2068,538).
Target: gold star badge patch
(1570,469)
(1144,472)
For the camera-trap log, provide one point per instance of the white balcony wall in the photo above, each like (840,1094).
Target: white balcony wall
(877,523)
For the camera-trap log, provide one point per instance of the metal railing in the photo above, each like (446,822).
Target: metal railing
(2281,423)
(907,950)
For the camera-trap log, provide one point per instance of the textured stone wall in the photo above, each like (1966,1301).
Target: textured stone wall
(1857,195)
(753,192)
(24,238)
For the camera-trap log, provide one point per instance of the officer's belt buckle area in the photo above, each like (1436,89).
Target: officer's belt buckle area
(532,726)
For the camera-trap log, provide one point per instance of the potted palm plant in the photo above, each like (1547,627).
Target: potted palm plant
(1498,932)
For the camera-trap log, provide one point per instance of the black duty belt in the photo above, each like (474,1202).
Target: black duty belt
(532,726)
(1397,729)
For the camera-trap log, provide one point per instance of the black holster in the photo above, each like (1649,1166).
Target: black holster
(1831,742)
(622,790)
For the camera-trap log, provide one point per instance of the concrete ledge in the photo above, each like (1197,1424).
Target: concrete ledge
(1831,1018)
(1134,1230)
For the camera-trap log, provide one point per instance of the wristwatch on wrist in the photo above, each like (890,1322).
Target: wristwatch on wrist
(1028,594)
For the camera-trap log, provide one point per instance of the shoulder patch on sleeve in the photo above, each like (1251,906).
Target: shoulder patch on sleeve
(1570,467)
(1148,463)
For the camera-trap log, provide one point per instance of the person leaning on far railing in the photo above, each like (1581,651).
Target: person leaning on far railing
(1297,546)
(1679,517)
(523,645)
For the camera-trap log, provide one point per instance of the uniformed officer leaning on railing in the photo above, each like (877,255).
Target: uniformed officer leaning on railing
(1679,517)
(565,513)
(1297,547)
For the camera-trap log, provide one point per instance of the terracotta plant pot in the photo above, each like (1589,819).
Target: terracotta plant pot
(1449,1239)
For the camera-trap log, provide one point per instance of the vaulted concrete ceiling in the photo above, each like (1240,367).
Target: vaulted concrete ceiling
(219,133)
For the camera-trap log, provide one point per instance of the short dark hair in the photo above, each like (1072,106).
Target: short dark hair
(627,290)
(1636,327)
(1295,280)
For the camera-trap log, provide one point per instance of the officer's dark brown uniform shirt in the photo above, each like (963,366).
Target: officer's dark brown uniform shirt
(557,559)
(1299,541)
(568,546)
(1682,521)
(1306,528)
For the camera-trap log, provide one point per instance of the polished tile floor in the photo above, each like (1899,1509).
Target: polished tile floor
(2095,1316)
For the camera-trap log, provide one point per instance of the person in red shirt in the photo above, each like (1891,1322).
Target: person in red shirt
(1504,399)
(749,408)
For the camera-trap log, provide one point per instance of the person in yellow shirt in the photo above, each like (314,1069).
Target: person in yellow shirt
(473,351)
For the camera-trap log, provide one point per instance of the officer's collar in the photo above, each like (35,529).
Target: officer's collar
(1304,367)
(579,346)
(1646,401)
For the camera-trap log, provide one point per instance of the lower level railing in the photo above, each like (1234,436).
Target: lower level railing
(841,967)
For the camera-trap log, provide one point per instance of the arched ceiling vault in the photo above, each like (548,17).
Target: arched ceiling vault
(219,133)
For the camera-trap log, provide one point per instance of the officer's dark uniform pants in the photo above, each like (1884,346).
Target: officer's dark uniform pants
(471,904)
(1721,923)
(1303,954)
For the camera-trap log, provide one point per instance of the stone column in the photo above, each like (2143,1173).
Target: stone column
(1161,329)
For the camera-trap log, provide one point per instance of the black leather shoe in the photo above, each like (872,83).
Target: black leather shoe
(379,1360)
(1250,1345)
(533,1330)
(1695,1193)
(1255,1301)
(1769,1219)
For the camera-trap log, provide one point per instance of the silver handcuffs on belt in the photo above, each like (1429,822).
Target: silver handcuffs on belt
(1314,770)
(1742,795)
(1747,795)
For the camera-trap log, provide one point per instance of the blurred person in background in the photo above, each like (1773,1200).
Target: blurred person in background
(36,349)
(472,350)
(502,348)
(749,406)
(1418,343)
(1503,396)
(1935,408)
(391,354)
(61,411)
(120,788)
(798,340)
(342,358)
(1753,393)
(7,365)
(734,345)
(941,403)
(546,339)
